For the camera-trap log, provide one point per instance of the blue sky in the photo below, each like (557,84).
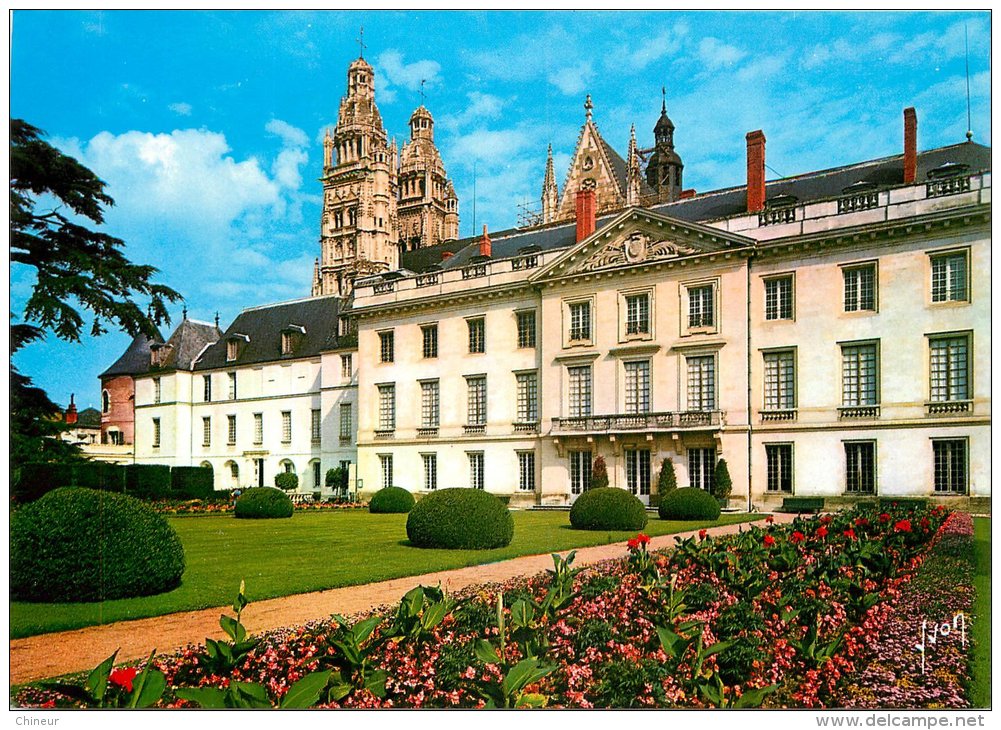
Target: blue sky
(206,125)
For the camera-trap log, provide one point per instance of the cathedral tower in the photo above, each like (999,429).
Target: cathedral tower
(428,205)
(358,224)
(664,167)
(550,193)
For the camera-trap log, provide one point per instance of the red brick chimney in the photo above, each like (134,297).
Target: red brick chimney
(485,242)
(755,171)
(910,145)
(446,255)
(686,194)
(585,212)
(70,416)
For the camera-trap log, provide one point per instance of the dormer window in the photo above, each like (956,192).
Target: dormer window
(286,343)
(234,344)
(291,336)
(158,355)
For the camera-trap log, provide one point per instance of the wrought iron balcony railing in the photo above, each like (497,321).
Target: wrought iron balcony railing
(661,421)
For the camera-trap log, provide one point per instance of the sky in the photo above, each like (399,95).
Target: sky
(207,126)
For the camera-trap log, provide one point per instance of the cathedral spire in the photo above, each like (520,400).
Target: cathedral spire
(633,175)
(550,193)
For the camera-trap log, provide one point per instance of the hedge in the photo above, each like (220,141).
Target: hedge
(263,503)
(77,544)
(143,481)
(191,482)
(688,503)
(461,519)
(608,508)
(147,481)
(391,500)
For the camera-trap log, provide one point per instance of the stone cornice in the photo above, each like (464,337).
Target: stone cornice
(443,300)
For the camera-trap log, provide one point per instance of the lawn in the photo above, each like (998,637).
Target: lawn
(980,667)
(310,552)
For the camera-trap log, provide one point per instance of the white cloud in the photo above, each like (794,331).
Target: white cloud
(667,42)
(715,54)
(479,107)
(391,71)
(181,108)
(291,136)
(572,79)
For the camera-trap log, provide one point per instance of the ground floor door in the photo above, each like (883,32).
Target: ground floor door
(580,473)
(259,472)
(638,473)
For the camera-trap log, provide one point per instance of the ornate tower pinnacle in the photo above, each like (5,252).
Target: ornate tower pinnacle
(428,206)
(588,107)
(550,193)
(633,175)
(663,171)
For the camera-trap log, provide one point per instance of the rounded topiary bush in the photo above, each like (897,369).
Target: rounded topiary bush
(607,508)
(391,500)
(263,503)
(78,544)
(468,519)
(690,503)
(287,480)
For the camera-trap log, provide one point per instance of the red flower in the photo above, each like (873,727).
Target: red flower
(643,539)
(925,523)
(884,517)
(46,705)
(903,526)
(797,537)
(633,544)
(123,677)
(850,534)
(826,520)
(861,522)
(769,519)
(821,531)
(703,534)
(769,540)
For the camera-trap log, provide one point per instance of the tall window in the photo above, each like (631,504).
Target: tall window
(317,477)
(860,464)
(286,427)
(156,433)
(314,425)
(700,306)
(387,407)
(206,431)
(859,374)
(701,468)
(528,397)
(430,471)
(206,388)
(702,383)
(286,343)
(778,298)
(345,429)
(526,329)
(580,471)
(476,410)
(232,350)
(949,277)
(386,465)
(346,369)
(258,429)
(579,390)
(231,429)
(475,469)
(234,474)
(156,390)
(638,386)
(638,471)
(780,380)
(526,471)
(580,321)
(429,334)
(950,466)
(779,457)
(386,347)
(950,376)
(105,401)
(430,411)
(860,288)
(477,335)
(638,314)
(232,385)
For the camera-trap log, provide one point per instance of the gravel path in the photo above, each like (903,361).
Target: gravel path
(49,655)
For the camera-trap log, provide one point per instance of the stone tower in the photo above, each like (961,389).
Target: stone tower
(550,193)
(359,220)
(664,167)
(428,206)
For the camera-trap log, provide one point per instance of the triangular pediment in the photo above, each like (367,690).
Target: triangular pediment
(640,237)
(595,162)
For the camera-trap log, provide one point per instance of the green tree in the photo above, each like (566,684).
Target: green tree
(599,474)
(722,484)
(77,272)
(667,479)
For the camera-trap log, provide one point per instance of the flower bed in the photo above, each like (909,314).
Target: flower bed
(775,616)
(214,507)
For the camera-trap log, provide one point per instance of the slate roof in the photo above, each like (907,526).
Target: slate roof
(187,342)
(820,185)
(135,360)
(264,326)
(619,166)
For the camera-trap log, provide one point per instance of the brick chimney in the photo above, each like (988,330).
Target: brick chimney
(586,198)
(446,255)
(485,242)
(910,145)
(70,417)
(686,194)
(755,171)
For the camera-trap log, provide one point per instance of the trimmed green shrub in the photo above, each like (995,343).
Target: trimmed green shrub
(35,479)
(599,474)
(287,480)
(337,478)
(78,544)
(689,503)
(147,481)
(722,484)
(667,481)
(461,519)
(608,508)
(191,482)
(391,500)
(263,503)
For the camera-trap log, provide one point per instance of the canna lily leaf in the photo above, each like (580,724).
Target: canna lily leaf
(97,680)
(754,697)
(306,692)
(363,629)
(338,691)
(486,653)
(376,682)
(531,699)
(209,698)
(521,613)
(523,674)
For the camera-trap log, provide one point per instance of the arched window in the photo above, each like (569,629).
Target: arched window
(287,466)
(314,469)
(105,401)
(234,474)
